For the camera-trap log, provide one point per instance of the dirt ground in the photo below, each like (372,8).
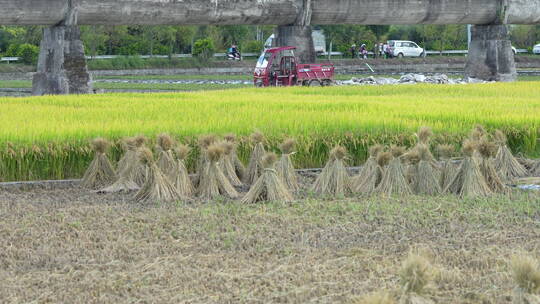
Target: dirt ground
(74,246)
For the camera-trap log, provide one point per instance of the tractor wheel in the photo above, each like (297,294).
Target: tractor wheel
(314,83)
(327,83)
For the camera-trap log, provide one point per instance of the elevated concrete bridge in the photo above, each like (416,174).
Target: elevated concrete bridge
(62,67)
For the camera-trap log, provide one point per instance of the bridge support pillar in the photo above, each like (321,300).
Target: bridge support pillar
(299,36)
(490,54)
(62,64)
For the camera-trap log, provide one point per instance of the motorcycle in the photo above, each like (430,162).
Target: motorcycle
(234,56)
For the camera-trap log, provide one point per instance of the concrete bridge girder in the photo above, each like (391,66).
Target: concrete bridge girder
(276,12)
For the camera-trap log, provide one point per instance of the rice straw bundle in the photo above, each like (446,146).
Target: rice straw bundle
(506,165)
(100,173)
(126,176)
(334,179)
(487,149)
(478,132)
(284,166)
(213,183)
(426,180)
(157,187)
(424,135)
(202,163)
(268,186)
(469,181)
(527,163)
(166,162)
(369,166)
(415,274)
(411,159)
(255,162)
(526,274)
(130,151)
(181,181)
(393,179)
(226,164)
(449,169)
(369,185)
(238,165)
(139,171)
(535,170)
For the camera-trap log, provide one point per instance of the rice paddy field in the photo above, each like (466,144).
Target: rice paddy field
(48,137)
(72,244)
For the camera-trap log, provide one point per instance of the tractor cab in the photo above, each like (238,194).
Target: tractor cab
(279,67)
(276,67)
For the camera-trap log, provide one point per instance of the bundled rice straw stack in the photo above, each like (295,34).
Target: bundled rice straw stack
(166,162)
(487,150)
(334,179)
(226,165)
(182,182)
(157,187)
(203,162)
(130,152)
(449,169)
(255,162)
(426,180)
(369,167)
(126,174)
(411,159)
(535,169)
(213,183)
(424,135)
(371,182)
(506,165)
(393,179)
(285,168)
(268,186)
(139,173)
(415,274)
(526,274)
(469,181)
(100,173)
(238,165)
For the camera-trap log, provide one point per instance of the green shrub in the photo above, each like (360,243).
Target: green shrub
(253,46)
(204,48)
(28,53)
(13,50)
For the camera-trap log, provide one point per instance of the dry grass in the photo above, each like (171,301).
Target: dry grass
(75,246)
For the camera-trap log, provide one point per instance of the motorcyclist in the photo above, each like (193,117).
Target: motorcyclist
(234,53)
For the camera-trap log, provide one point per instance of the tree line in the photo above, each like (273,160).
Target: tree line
(23,41)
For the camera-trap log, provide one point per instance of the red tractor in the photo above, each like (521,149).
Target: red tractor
(279,67)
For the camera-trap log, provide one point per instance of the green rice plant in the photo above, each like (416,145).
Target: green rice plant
(46,137)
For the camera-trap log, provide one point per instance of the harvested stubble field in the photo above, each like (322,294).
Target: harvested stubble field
(47,137)
(74,246)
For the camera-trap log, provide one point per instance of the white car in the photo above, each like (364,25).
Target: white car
(536,49)
(401,48)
